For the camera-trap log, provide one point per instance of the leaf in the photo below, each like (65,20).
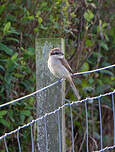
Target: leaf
(91,80)
(11,116)
(6,28)
(19,75)
(2,7)
(89,43)
(2,113)
(40,20)
(36,30)
(89,89)
(104,45)
(104,25)
(26,84)
(5,122)
(12,39)
(11,65)
(31,17)
(107,72)
(85,67)
(84,83)
(2,68)
(106,37)
(13,31)
(6,49)
(38,13)
(22,118)
(26,112)
(88,15)
(14,57)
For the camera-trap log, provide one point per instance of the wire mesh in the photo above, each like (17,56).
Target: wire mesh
(57,111)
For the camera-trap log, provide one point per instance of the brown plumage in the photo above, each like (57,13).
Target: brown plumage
(59,66)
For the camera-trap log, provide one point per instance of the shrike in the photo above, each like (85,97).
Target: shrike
(60,68)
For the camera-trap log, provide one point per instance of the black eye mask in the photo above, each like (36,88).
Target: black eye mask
(56,53)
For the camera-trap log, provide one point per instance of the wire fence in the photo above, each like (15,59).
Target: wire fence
(55,83)
(56,111)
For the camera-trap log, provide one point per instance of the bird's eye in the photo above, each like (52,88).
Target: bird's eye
(56,53)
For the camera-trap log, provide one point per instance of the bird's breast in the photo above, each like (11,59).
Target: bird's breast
(57,68)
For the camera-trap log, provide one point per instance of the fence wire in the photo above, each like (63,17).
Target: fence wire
(56,111)
(51,85)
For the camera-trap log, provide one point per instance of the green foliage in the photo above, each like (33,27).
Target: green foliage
(7,50)
(88,15)
(89,30)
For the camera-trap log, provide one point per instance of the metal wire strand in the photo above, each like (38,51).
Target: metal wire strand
(107,149)
(55,83)
(59,131)
(53,112)
(5,143)
(19,145)
(86,126)
(113,106)
(32,138)
(57,111)
(101,139)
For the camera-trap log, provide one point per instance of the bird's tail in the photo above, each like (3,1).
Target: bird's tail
(74,88)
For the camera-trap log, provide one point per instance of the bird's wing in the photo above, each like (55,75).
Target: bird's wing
(65,63)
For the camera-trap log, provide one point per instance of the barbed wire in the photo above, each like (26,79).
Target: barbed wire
(51,85)
(55,111)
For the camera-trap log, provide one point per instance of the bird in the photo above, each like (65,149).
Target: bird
(60,68)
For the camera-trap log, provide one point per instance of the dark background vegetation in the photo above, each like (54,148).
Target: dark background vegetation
(88,27)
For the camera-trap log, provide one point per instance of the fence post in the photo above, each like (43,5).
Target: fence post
(50,99)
